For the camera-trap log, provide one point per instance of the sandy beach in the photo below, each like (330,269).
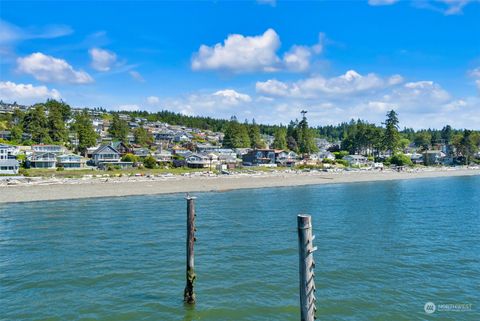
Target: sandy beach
(55,189)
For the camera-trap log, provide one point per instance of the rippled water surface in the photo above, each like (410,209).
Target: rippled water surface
(384,250)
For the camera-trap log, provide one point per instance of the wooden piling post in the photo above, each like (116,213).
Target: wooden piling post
(306,267)
(189,294)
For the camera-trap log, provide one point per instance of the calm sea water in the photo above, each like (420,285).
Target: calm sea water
(384,250)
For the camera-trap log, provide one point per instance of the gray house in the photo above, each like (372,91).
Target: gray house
(43,160)
(70,161)
(198,161)
(9,166)
(105,154)
(260,157)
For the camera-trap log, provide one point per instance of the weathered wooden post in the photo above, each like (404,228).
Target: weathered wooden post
(189,294)
(306,266)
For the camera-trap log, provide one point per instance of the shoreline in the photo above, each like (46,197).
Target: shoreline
(116,187)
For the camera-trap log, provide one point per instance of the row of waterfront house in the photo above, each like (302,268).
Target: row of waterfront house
(176,145)
(199,155)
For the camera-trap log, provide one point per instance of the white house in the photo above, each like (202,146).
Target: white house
(57,149)
(8,165)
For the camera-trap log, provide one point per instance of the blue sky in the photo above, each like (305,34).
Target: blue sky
(254,59)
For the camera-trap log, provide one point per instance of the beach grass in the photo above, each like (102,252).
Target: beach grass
(78,173)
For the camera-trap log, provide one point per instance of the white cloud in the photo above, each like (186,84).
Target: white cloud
(240,53)
(49,69)
(478,83)
(349,83)
(10,33)
(423,90)
(420,104)
(153,100)
(136,75)
(232,97)
(272,87)
(102,60)
(26,93)
(381,2)
(297,58)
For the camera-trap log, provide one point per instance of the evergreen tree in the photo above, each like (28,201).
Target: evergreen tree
(83,127)
(236,135)
(63,109)
(422,140)
(466,145)
(35,123)
(391,138)
(16,133)
(305,137)
(280,141)
(142,136)
(255,137)
(292,144)
(56,123)
(447,134)
(118,128)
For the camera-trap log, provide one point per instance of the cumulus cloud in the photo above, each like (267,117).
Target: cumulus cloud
(297,58)
(153,100)
(102,60)
(240,53)
(421,104)
(349,83)
(423,90)
(26,93)
(232,97)
(50,69)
